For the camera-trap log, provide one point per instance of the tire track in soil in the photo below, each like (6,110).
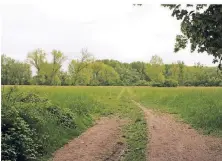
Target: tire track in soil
(102,142)
(171,140)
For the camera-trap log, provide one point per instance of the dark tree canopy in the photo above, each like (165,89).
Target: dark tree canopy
(201,26)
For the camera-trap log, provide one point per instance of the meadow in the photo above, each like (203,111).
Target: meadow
(200,107)
(49,116)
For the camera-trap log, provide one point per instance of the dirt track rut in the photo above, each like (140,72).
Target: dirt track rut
(171,140)
(101,142)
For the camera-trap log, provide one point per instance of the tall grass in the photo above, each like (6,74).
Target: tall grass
(200,107)
(34,126)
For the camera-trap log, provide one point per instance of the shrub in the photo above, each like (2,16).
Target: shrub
(170,83)
(19,141)
(157,84)
(33,127)
(142,83)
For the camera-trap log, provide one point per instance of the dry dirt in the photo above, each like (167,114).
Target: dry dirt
(171,140)
(101,142)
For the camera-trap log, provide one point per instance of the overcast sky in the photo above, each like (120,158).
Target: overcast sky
(120,32)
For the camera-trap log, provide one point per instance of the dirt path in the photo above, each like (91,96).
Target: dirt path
(101,142)
(171,140)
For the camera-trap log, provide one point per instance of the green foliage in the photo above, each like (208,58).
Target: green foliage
(14,72)
(64,78)
(170,83)
(157,84)
(156,60)
(142,83)
(19,138)
(107,76)
(136,135)
(201,26)
(140,67)
(36,58)
(77,69)
(47,72)
(33,127)
(89,72)
(156,73)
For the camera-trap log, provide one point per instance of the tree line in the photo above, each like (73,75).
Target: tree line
(87,71)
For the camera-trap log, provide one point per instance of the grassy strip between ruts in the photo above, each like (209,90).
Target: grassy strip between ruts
(136,136)
(119,102)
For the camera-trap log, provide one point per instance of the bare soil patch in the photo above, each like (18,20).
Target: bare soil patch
(171,140)
(102,142)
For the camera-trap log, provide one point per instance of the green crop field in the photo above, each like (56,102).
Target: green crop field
(43,118)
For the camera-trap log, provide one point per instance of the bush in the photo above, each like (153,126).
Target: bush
(142,83)
(33,127)
(19,140)
(170,83)
(187,83)
(157,84)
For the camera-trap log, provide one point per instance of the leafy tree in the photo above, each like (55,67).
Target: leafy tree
(14,72)
(128,76)
(156,73)
(140,67)
(47,72)
(201,26)
(44,74)
(167,72)
(170,83)
(76,66)
(84,77)
(174,71)
(96,67)
(142,83)
(156,60)
(36,58)
(113,63)
(181,72)
(155,69)
(6,69)
(64,78)
(57,60)
(22,73)
(107,75)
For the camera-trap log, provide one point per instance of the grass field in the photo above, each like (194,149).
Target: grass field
(200,107)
